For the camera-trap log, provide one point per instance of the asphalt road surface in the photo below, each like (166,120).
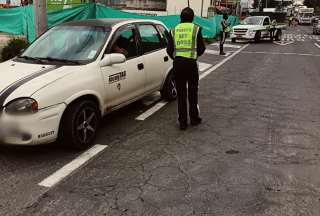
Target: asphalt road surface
(256,153)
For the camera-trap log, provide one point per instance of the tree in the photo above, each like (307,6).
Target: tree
(312,3)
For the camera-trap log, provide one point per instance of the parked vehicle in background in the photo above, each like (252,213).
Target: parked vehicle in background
(316,27)
(256,28)
(305,16)
(77,72)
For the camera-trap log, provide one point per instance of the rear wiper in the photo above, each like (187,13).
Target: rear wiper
(61,60)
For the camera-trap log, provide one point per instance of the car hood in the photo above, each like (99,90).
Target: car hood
(245,26)
(23,79)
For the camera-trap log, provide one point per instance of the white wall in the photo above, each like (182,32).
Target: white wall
(175,8)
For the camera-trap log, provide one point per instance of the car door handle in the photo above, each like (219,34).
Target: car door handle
(166,58)
(140,66)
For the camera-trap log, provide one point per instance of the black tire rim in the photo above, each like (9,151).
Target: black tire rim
(86,125)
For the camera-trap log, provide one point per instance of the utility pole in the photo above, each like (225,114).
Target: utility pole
(40,19)
(201,8)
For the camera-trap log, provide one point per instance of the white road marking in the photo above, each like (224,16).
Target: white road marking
(283,43)
(69,168)
(227,45)
(317,45)
(161,104)
(151,111)
(203,75)
(215,52)
(203,66)
(278,53)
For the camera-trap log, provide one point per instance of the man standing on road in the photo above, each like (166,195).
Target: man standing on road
(185,46)
(273,26)
(224,30)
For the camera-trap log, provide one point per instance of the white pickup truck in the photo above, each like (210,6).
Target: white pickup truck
(256,28)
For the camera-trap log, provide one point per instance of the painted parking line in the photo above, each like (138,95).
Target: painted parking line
(215,52)
(203,66)
(317,45)
(279,53)
(227,45)
(162,103)
(151,111)
(71,167)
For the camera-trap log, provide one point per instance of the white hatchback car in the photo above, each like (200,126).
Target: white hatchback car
(77,72)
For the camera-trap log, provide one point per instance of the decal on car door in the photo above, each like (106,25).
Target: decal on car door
(117,77)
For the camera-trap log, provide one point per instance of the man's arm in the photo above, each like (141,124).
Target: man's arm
(170,48)
(201,47)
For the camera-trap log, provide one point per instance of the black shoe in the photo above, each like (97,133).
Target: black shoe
(183,126)
(196,121)
(222,53)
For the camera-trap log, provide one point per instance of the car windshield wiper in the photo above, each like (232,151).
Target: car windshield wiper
(30,58)
(61,60)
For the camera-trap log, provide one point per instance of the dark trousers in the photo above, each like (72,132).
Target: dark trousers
(187,83)
(223,36)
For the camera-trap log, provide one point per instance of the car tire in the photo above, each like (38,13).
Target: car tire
(80,124)
(233,40)
(169,90)
(257,37)
(278,36)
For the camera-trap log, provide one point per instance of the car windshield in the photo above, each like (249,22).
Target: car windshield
(68,43)
(308,15)
(253,21)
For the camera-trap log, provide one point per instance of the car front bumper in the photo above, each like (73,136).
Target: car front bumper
(39,128)
(247,36)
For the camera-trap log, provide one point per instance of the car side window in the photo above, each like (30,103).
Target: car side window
(125,43)
(164,34)
(266,21)
(150,38)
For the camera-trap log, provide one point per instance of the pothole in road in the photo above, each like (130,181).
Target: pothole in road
(232,151)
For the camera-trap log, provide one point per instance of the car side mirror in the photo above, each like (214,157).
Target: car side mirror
(111,59)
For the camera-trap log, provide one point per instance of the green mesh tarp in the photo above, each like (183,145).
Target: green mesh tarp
(20,20)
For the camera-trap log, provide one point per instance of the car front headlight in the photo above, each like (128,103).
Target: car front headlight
(22,106)
(251,32)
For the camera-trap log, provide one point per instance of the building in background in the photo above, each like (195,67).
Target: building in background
(203,8)
(152,5)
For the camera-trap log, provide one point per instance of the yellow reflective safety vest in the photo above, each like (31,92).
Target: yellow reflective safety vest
(185,40)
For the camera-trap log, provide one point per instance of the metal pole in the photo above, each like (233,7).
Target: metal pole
(188,3)
(40,19)
(201,8)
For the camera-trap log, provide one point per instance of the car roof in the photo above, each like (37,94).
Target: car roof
(106,22)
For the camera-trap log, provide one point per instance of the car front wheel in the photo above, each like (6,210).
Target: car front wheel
(257,37)
(169,91)
(80,124)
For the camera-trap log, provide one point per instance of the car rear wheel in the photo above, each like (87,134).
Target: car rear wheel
(80,124)
(169,90)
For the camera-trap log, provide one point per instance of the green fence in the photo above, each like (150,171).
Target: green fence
(20,20)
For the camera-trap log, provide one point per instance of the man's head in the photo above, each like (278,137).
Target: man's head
(225,16)
(187,15)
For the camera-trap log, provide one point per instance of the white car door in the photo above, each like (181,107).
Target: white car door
(156,60)
(126,81)
(266,24)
